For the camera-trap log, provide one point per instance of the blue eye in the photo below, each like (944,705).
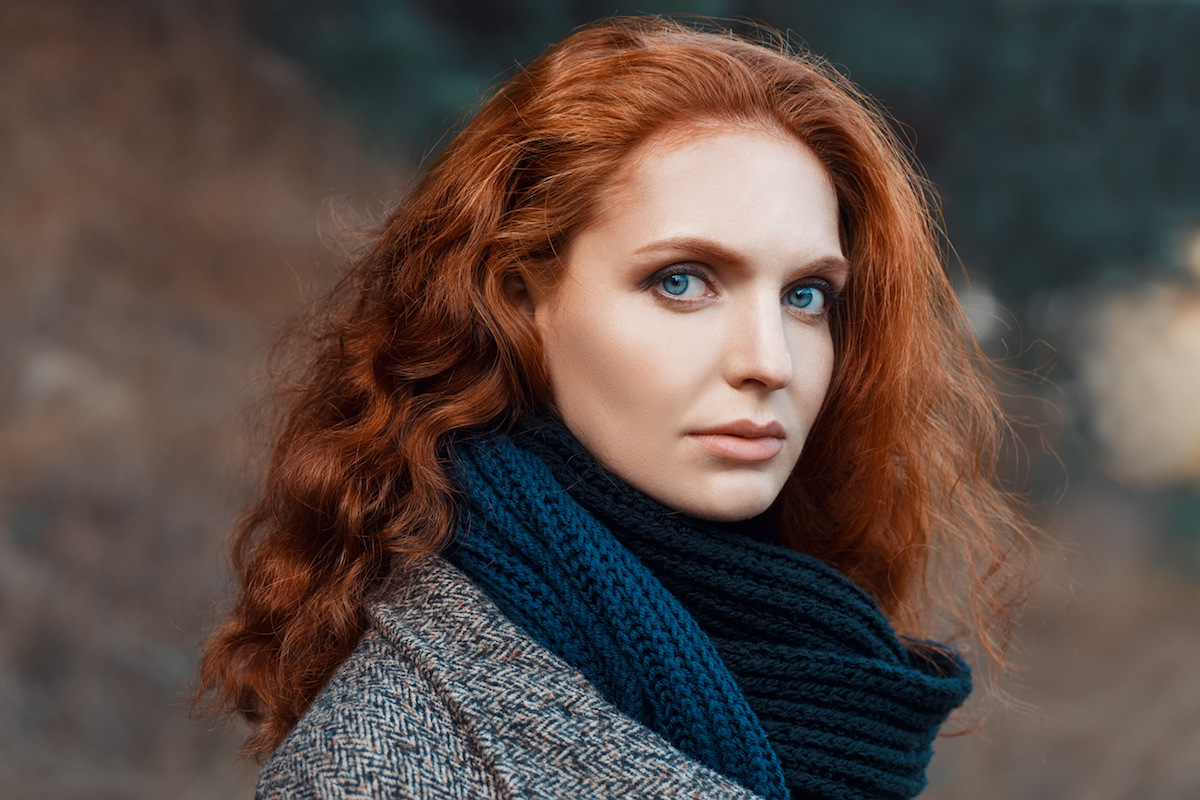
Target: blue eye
(810,299)
(682,285)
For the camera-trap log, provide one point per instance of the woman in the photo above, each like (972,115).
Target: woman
(647,418)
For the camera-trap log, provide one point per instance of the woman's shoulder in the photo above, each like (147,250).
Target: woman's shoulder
(446,697)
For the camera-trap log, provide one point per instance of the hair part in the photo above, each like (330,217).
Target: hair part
(897,486)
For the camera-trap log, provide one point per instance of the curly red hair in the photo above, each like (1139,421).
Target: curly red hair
(901,464)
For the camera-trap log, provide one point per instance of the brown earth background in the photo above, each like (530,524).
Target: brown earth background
(165,207)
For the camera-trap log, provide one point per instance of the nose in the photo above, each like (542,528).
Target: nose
(758,350)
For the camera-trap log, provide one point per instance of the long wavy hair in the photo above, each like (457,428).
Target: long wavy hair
(897,486)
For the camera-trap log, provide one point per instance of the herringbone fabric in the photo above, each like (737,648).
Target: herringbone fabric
(446,699)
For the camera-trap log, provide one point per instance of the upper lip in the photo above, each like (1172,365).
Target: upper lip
(747,429)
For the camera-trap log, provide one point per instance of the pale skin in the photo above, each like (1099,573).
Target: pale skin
(688,341)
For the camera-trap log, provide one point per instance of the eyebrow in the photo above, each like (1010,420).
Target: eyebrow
(709,249)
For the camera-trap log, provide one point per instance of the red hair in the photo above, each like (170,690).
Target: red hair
(424,343)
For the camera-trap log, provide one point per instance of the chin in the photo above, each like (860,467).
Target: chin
(725,513)
(728,503)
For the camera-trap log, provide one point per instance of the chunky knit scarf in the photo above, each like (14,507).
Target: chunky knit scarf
(764,664)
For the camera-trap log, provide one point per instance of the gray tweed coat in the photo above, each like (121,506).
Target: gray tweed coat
(447,698)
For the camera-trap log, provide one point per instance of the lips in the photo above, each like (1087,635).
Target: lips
(742,441)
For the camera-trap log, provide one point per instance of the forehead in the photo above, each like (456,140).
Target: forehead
(743,185)
(681,135)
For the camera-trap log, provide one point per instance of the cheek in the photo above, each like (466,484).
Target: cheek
(616,370)
(813,358)
(822,371)
(598,358)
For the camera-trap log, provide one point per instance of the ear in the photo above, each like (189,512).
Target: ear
(518,293)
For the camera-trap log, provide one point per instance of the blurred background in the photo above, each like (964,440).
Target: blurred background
(175,176)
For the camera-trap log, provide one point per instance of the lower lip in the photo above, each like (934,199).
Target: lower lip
(739,448)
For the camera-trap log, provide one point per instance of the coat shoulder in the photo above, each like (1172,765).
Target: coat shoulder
(378,730)
(445,697)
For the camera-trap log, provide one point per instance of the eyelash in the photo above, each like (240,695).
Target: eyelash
(833,297)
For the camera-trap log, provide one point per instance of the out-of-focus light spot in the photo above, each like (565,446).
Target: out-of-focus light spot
(1140,367)
(988,319)
(1191,252)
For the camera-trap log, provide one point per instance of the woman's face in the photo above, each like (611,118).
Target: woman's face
(688,343)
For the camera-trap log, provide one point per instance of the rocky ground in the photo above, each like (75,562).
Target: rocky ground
(162,182)
(1107,652)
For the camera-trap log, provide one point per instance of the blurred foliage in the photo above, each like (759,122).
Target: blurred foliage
(1183,514)
(1178,545)
(1064,136)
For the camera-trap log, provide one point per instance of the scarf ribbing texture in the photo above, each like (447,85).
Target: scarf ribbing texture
(764,664)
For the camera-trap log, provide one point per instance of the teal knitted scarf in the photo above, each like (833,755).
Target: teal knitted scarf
(763,664)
